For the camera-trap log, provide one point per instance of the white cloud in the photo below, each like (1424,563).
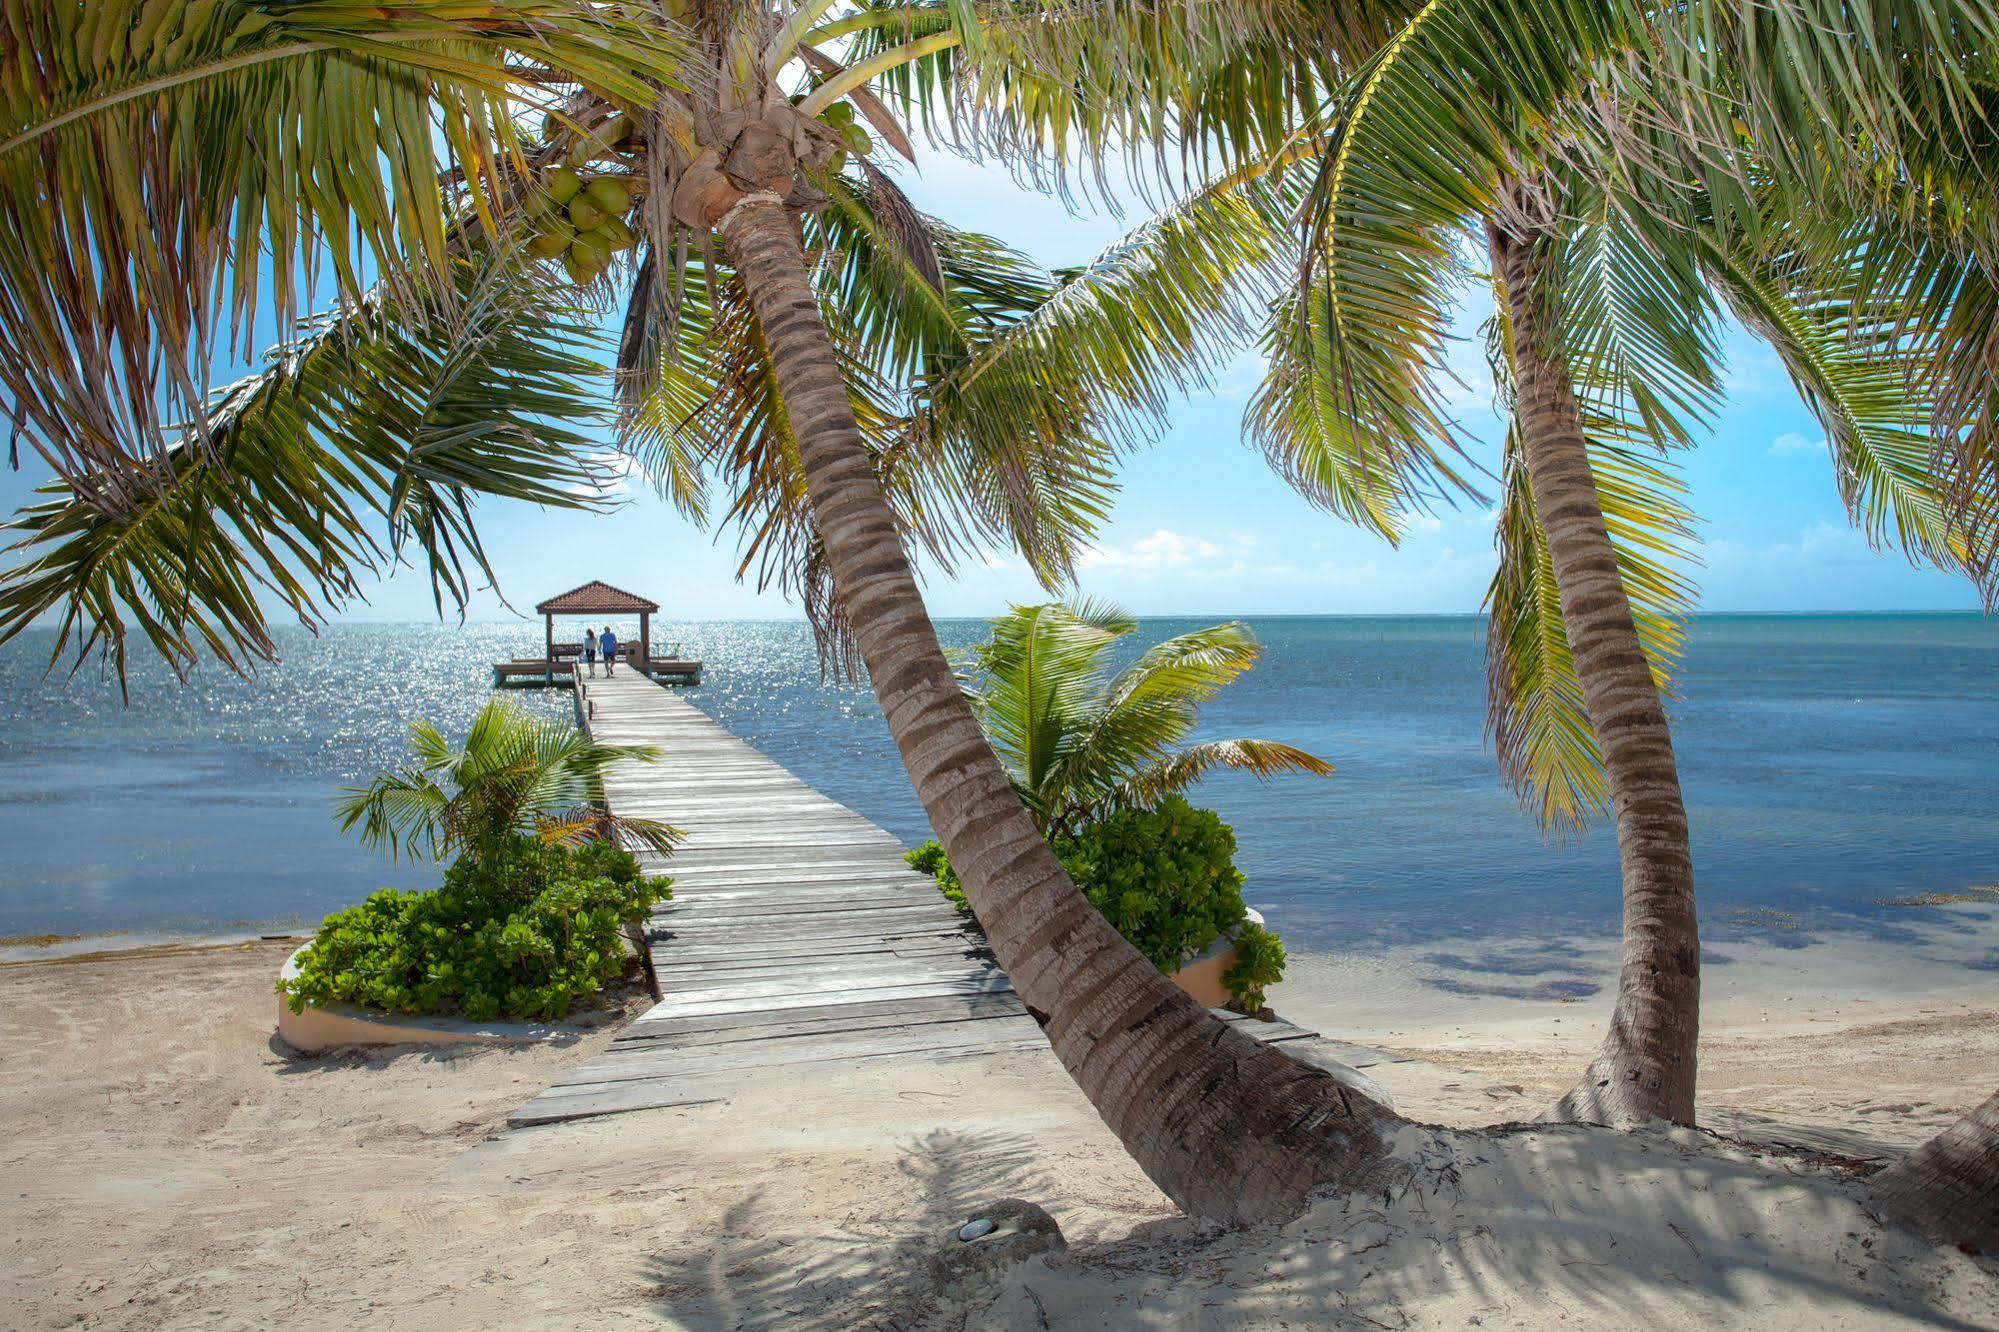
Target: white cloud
(1183,556)
(1792,442)
(614,477)
(1423,522)
(1164,549)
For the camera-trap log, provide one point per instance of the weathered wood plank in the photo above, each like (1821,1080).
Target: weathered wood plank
(797,933)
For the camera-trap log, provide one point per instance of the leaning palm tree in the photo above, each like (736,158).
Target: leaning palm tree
(727,152)
(1613,238)
(515,775)
(1948,1188)
(1079,741)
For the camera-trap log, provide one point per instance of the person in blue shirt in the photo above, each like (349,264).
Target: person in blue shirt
(607,648)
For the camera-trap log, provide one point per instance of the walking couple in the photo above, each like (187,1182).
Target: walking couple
(605,644)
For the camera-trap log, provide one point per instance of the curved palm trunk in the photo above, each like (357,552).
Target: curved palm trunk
(1226,1126)
(1645,1068)
(1948,1188)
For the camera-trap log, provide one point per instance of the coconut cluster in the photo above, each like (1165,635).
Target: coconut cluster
(840,117)
(581,220)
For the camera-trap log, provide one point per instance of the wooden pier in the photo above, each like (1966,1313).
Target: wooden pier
(796,934)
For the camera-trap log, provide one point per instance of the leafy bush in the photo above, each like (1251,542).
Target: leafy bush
(1165,878)
(1259,963)
(526,931)
(930,859)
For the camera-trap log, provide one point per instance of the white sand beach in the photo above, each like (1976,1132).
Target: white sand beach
(168,1166)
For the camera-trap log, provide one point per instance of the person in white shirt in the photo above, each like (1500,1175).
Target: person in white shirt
(590,651)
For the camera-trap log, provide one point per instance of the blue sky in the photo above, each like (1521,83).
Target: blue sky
(1202,527)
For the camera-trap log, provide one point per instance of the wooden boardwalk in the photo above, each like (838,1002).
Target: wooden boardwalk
(796,933)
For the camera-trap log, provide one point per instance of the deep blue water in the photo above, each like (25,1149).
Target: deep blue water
(1829,761)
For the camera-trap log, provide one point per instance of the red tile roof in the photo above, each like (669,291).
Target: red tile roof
(595,598)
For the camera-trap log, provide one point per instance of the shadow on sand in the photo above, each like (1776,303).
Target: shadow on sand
(761,1271)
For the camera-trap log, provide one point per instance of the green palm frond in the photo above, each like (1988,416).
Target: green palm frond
(1263,759)
(1863,353)
(1077,741)
(170,164)
(1419,138)
(1032,688)
(1640,323)
(1967,419)
(1643,360)
(1167,90)
(1843,104)
(515,773)
(1158,312)
(1536,715)
(1000,463)
(361,444)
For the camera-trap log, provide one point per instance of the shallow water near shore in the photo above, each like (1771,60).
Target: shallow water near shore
(1834,765)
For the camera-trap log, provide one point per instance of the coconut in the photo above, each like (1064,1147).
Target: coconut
(617,234)
(857,139)
(610,194)
(578,273)
(564,185)
(839,114)
(591,249)
(548,244)
(586,215)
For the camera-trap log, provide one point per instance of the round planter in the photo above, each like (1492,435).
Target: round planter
(327,1026)
(1201,977)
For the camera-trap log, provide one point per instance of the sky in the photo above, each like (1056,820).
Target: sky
(1202,527)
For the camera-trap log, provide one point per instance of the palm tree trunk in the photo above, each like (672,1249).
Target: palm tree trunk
(1226,1126)
(1645,1067)
(1948,1188)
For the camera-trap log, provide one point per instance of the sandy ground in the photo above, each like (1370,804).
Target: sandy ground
(164,1164)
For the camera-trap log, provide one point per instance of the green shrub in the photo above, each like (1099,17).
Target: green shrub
(1165,878)
(527,931)
(1259,963)
(930,859)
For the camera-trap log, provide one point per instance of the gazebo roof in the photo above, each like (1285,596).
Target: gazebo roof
(596,598)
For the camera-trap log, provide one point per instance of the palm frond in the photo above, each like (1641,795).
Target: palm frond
(514,774)
(1420,136)
(1642,352)
(1843,104)
(1536,717)
(361,444)
(1170,91)
(1863,353)
(1033,685)
(1138,717)
(1263,759)
(167,171)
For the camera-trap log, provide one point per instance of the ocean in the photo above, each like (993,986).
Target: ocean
(1832,764)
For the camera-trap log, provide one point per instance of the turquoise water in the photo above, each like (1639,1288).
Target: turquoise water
(1829,761)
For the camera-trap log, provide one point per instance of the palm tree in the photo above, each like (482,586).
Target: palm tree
(515,775)
(1614,236)
(177,528)
(1078,741)
(1945,1188)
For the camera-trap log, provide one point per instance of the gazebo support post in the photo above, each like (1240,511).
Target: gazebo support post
(549,676)
(645,643)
